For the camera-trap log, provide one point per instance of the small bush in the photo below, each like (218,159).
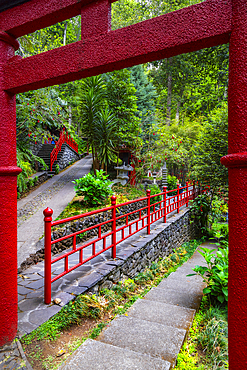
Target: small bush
(171,182)
(200,208)
(155,190)
(215,274)
(57,169)
(94,188)
(30,183)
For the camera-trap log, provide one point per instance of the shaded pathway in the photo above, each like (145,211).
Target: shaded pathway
(56,193)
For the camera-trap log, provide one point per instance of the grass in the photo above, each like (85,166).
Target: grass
(106,305)
(206,347)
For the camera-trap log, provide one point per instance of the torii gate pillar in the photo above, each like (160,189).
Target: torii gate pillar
(236,161)
(8,208)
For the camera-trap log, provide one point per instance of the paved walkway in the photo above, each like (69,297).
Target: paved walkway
(152,333)
(55,193)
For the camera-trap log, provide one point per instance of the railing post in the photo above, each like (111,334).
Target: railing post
(114,245)
(48,218)
(148,211)
(187,194)
(194,190)
(164,204)
(178,197)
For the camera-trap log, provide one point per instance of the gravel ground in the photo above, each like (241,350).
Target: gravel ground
(40,200)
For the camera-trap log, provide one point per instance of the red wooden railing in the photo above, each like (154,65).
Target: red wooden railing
(63,138)
(157,206)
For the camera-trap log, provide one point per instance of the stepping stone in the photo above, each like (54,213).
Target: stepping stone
(173,297)
(162,313)
(94,355)
(146,337)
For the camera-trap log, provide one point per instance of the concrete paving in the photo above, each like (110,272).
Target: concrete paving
(55,193)
(152,332)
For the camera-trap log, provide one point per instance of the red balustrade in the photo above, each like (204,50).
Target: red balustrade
(63,138)
(120,226)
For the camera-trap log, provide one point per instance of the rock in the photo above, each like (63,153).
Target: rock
(57,301)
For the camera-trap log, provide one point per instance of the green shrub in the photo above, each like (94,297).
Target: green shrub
(215,274)
(57,169)
(200,208)
(171,182)
(30,183)
(220,232)
(154,189)
(94,188)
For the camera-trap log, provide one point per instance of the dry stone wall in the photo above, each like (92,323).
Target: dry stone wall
(140,254)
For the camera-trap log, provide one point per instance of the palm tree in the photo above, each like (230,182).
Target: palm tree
(92,100)
(106,136)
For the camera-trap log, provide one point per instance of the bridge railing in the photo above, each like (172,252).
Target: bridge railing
(63,138)
(111,232)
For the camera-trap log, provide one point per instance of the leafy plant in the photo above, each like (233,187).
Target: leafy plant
(171,182)
(57,169)
(94,188)
(200,208)
(30,183)
(155,190)
(215,274)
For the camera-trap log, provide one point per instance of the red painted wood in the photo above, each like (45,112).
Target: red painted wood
(155,212)
(236,162)
(114,242)
(96,19)
(38,14)
(48,219)
(8,209)
(192,28)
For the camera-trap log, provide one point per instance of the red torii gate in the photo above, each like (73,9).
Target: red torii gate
(207,24)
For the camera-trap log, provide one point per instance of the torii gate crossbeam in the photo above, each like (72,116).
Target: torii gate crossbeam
(207,24)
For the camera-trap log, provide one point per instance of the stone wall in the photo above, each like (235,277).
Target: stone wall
(69,156)
(140,254)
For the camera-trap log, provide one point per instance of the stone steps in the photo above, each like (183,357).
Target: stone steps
(153,330)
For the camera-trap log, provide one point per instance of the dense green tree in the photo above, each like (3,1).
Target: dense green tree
(122,100)
(146,96)
(210,147)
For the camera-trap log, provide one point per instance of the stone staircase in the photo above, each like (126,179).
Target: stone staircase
(45,153)
(150,335)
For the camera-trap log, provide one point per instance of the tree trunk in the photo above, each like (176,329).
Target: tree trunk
(65,34)
(169,92)
(177,112)
(70,115)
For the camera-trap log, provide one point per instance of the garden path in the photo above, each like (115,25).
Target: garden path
(151,333)
(55,193)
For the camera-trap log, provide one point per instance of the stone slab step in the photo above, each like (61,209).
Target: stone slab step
(182,275)
(162,313)
(187,285)
(94,355)
(146,337)
(173,297)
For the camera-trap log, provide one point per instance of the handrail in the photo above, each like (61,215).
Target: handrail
(63,138)
(121,227)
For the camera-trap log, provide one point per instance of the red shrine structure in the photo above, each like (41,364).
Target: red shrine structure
(210,23)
